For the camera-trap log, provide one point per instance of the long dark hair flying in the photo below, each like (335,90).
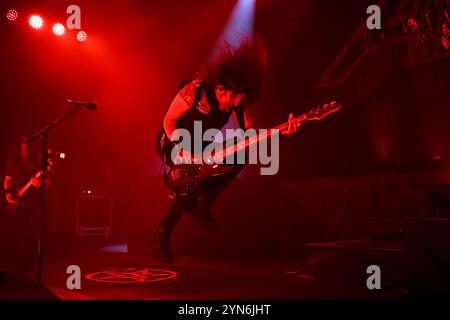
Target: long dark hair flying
(239,69)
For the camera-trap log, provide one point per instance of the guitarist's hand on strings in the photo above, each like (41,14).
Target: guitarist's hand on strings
(37,182)
(10,198)
(184,157)
(292,126)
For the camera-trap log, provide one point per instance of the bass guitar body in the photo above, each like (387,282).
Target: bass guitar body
(184,179)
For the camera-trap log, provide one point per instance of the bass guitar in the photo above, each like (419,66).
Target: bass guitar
(184,179)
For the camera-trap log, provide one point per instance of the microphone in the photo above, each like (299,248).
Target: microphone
(81,104)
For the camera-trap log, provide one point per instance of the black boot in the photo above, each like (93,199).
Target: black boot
(160,246)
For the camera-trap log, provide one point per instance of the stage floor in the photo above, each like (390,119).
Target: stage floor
(122,275)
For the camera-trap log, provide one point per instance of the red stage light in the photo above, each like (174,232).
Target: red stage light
(36,22)
(59,29)
(82,36)
(12,15)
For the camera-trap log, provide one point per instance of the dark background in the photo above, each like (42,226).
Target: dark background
(138,52)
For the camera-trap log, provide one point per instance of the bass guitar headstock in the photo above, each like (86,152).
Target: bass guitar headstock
(322,111)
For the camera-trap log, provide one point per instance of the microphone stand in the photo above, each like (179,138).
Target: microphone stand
(44,135)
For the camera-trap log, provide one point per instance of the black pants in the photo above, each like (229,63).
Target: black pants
(22,236)
(208,192)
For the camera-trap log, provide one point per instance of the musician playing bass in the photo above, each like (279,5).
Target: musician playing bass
(223,88)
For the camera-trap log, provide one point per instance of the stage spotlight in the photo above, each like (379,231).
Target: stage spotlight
(36,22)
(59,29)
(82,36)
(240,24)
(12,15)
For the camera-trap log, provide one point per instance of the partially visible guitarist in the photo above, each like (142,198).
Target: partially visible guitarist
(223,88)
(22,167)
(23,164)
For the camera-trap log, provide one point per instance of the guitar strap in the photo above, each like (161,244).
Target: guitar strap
(166,176)
(240,117)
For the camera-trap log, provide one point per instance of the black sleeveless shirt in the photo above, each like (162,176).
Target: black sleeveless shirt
(205,109)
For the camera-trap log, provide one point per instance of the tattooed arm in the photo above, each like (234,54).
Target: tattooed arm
(180,105)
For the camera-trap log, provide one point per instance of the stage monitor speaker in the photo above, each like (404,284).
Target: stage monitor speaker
(16,287)
(427,253)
